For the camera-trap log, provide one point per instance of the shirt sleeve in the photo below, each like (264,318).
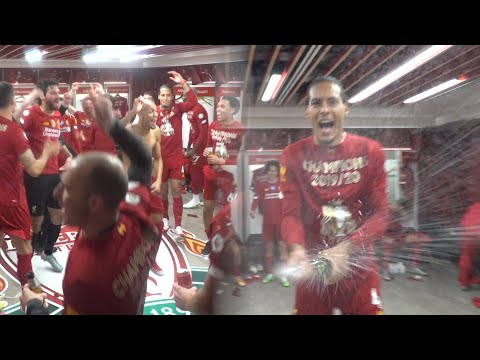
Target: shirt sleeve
(20,141)
(209,135)
(27,119)
(201,141)
(189,103)
(374,228)
(292,227)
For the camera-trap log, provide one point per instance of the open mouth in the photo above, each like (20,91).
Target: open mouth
(326,125)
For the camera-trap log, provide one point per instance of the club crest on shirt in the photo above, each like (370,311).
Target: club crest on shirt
(132,198)
(283,173)
(122,229)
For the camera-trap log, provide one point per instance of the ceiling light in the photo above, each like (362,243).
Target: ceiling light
(33,55)
(396,74)
(121,53)
(434,90)
(272,85)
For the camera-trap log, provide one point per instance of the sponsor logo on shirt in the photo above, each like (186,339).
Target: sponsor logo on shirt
(49,132)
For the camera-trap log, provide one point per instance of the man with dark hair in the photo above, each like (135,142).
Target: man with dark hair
(170,123)
(15,151)
(85,120)
(224,134)
(93,138)
(108,266)
(149,95)
(334,205)
(41,123)
(267,200)
(118,106)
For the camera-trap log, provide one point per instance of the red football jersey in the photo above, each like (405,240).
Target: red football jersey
(333,192)
(231,136)
(13,143)
(85,125)
(108,274)
(258,175)
(172,146)
(267,199)
(39,127)
(199,130)
(218,231)
(70,132)
(102,141)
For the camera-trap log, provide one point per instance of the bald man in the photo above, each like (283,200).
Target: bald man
(117,242)
(148,131)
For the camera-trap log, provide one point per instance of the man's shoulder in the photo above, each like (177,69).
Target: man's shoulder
(7,126)
(201,117)
(33,112)
(296,147)
(136,201)
(359,140)
(132,127)
(199,108)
